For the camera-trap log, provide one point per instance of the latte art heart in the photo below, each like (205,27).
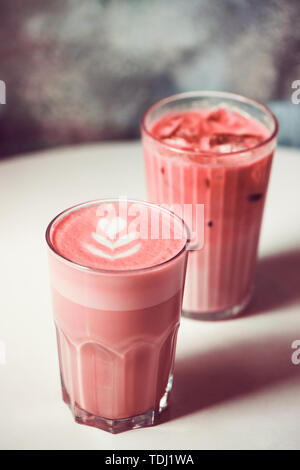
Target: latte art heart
(110,229)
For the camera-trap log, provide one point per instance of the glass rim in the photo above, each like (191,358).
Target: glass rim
(211,94)
(116,272)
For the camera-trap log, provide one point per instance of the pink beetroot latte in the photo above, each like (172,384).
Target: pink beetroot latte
(214,149)
(117,275)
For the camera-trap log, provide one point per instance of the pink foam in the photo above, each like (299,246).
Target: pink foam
(105,236)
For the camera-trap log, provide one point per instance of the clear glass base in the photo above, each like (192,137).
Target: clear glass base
(219,315)
(116,426)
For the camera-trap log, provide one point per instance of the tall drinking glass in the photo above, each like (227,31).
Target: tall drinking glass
(216,149)
(117,293)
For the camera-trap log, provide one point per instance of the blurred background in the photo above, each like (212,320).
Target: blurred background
(86,70)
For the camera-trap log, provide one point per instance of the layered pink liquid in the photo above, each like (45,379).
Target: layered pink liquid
(194,158)
(116,310)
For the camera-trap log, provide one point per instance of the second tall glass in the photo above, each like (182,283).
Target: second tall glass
(232,185)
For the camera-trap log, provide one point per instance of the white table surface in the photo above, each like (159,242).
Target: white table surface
(235,385)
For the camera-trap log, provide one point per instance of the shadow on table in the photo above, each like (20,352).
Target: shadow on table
(212,377)
(277,283)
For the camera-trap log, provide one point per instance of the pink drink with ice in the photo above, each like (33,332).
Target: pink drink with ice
(117,292)
(217,151)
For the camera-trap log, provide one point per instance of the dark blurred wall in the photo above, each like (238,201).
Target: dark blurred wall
(85,70)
